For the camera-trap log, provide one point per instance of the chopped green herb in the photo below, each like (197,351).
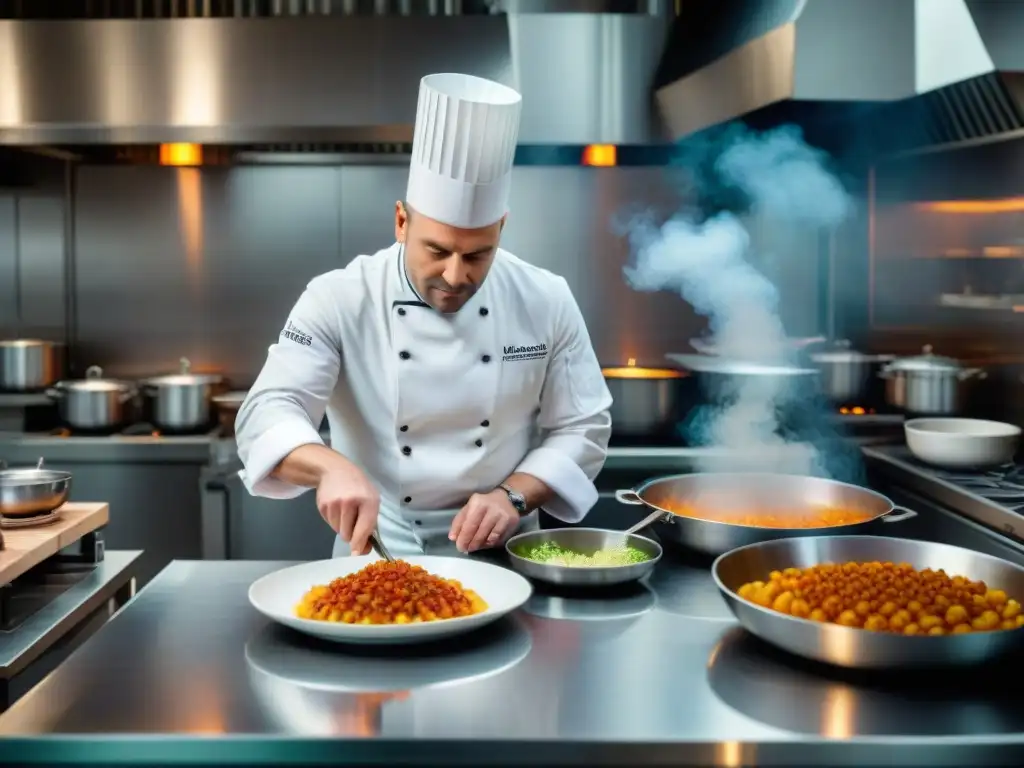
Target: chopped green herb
(551,553)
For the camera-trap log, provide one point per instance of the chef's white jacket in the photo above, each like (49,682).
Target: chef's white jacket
(433,407)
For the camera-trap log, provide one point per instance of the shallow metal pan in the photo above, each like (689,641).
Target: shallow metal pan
(28,491)
(860,648)
(585,541)
(752,489)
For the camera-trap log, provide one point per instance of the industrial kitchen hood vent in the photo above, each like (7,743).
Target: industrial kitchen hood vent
(868,77)
(310,72)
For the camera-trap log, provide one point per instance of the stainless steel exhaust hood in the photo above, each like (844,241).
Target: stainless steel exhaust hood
(586,76)
(871,76)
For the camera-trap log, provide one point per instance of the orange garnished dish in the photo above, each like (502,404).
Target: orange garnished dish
(389,593)
(885,597)
(808,517)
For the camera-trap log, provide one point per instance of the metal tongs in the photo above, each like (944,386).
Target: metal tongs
(378,545)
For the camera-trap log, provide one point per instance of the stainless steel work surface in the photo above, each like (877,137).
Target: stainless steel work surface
(656,674)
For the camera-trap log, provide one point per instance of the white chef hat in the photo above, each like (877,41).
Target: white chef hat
(462,150)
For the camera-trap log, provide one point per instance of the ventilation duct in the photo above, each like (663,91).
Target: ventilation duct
(871,76)
(322,73)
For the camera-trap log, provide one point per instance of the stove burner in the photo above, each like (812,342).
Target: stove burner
(1003,485)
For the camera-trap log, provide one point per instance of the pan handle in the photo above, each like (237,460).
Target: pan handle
(654,517)
(628,496)
(896,514)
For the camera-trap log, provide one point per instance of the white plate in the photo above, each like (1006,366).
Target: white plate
(276,595)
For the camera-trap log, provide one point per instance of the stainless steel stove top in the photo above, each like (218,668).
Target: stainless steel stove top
(992,497)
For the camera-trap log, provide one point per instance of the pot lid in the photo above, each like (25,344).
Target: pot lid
(184,378)
(840,351)
(94,382)
(711,364)
(927,362)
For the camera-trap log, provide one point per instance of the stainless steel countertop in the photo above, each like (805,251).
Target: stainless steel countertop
(656,674)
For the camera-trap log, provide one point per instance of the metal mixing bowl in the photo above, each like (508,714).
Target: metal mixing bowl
(28,491)
(585,541)
(860,648)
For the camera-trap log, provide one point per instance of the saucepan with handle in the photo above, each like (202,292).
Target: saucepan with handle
(699,510)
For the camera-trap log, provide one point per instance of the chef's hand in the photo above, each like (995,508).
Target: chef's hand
(485,521)
(349,503)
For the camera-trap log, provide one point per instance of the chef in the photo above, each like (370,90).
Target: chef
(459,382)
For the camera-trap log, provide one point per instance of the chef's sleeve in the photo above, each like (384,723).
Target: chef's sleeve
(574,419)
(285,406)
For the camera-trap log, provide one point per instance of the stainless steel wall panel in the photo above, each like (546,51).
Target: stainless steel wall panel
(368,194)
(41,272)
(207,264)
(178,262)
(8,264)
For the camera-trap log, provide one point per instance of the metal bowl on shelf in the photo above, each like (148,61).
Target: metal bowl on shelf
(584,541)
(26,491)
(859,648)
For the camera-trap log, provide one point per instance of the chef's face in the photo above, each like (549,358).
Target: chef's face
(445,264)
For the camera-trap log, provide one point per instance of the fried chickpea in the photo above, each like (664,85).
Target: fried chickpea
(887,597)
(956,614)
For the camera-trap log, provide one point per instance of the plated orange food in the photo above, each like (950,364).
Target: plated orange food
(809,517)
(886,597)
(389,593)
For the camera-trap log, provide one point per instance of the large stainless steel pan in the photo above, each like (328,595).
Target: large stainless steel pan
(859,648)
(28,491)
(752,491)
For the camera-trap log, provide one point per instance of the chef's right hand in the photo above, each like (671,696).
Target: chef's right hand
(349,503)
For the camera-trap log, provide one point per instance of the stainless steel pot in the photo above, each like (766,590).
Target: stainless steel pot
(645,401)
(28,365)
(928,384)
(845,372)
(26,491)
(181,402)
(851,646)
(93,403)
(742,491)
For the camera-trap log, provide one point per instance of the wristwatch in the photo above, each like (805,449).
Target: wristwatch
(516,499)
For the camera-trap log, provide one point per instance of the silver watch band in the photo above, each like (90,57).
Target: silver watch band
(516,499)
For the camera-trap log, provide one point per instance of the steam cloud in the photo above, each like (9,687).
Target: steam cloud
(775,175)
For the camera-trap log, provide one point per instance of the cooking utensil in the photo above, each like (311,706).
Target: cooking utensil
(845,372)
(585,541)
(181,402)
(962,443)
(227,409)
(276,594)
(928,383)
(645,401)
(27,491)
(378,544)
(849,646)
(93,403)
(750,491)
(28,365)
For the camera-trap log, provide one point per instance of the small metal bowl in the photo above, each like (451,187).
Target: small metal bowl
(28,491)
(585,541)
